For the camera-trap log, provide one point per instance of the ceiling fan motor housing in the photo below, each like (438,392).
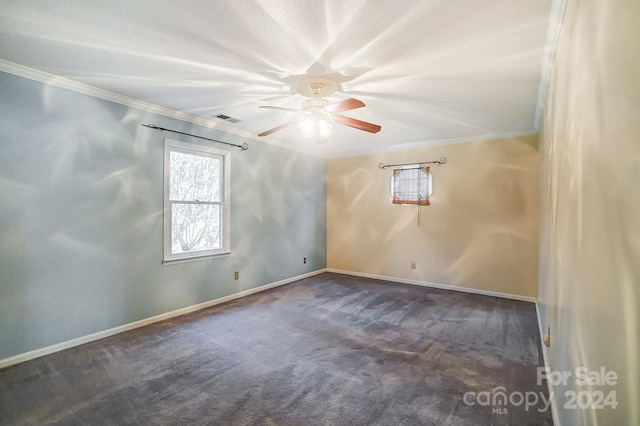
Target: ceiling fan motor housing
(311,87)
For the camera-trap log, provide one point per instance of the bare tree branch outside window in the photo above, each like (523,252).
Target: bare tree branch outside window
(195,193)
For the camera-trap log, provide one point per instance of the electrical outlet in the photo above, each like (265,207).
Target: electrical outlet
(413,265)
(547,337)
(304,260)
(236,275)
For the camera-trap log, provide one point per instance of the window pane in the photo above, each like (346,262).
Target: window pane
(194,177)
(411,185)
(195,227)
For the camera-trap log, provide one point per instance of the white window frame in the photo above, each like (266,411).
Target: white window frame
(225,202)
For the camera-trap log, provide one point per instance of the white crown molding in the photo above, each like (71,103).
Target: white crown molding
(65,83)
(422,144)
(406,145)
(553,34)
(437,285)
(85,89)
(37,353)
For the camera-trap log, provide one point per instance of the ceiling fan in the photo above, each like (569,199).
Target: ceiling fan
(317,115)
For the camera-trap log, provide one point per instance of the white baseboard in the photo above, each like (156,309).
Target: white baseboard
(554,409)
(436,285)
(16,359)
(545,357)
(37,353)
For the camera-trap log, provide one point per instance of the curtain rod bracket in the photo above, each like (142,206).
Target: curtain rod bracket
(442,160)
(242,147)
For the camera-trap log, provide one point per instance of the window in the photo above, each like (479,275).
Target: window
(411,185)
(196,201)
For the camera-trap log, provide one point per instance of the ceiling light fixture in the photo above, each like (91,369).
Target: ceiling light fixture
(317,116)
(316,122)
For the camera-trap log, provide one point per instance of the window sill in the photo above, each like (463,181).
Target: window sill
(195,258)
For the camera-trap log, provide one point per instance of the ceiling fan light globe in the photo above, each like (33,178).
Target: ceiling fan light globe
(316,124)
(322,129)
(306,127)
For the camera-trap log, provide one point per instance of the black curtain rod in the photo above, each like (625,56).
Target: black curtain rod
(242,147)
(442,160)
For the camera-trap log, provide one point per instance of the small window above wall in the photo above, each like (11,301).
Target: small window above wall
(411,185)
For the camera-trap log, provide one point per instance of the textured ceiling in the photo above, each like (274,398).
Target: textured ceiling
(429,71)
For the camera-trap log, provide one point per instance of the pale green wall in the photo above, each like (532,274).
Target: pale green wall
(81,217)
(589,287)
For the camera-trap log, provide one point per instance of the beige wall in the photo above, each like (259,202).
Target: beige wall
(480,232)
(590,222)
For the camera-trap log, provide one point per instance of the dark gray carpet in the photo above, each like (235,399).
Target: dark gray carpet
(327,350)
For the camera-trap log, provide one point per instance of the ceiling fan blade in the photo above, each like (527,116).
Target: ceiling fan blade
(357,124)
(275,129)
(279,108)
(345,105)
